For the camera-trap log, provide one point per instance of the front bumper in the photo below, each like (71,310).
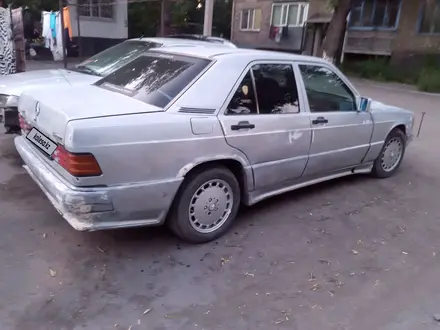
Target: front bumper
(89,209)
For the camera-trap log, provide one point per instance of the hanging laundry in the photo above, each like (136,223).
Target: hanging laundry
(18,37)
(53,25)
(66,18)
(7,49)
(57,50)
(46,33)
(52,33)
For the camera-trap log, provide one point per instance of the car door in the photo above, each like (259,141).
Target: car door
(341,133)
(263,118)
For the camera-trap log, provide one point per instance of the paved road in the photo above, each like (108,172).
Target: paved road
(353,254)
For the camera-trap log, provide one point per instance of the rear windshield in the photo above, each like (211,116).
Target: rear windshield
(115,57)
(154,78)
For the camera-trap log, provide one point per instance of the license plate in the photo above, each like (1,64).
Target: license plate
(42,141)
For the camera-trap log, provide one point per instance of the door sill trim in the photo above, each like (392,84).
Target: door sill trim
(255,197)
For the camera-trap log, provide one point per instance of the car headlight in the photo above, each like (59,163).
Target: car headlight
(8,101)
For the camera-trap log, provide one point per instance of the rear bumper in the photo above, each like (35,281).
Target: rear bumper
(89,209)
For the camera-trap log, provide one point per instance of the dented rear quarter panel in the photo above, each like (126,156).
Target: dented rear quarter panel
(150,147)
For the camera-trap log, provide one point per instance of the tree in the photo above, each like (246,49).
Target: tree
(336,29)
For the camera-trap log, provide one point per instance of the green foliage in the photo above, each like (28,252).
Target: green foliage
(144,18)
(429,80)
(426,77)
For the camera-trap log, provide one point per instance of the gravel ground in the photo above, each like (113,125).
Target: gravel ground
(356,253)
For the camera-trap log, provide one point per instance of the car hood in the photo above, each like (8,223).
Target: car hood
(15,84)
(379,106)
(50,112)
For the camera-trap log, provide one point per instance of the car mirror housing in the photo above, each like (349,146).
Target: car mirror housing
(364,104)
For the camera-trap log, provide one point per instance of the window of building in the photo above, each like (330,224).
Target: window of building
(266,89)
(96,8)
(375,14)
(430,17)
(251,19)
(326,91)
(289,14)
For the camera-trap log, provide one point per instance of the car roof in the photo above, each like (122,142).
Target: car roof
(226,52)
(201,37)
(177,41)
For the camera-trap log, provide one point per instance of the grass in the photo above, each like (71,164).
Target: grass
(426,77)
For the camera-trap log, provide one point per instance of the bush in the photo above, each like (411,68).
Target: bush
(376,69)
(426,77)
(429,80)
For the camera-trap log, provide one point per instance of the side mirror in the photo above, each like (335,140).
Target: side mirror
(364,104)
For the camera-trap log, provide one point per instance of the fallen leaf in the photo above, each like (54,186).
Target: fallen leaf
(405,253)
(224,261)
(52,272)
(355,252)
(315,287)
(249,274)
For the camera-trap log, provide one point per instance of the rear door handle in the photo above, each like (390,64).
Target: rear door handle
(319,120)
(242,125)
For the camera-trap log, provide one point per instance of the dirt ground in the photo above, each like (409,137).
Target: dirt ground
(351,254)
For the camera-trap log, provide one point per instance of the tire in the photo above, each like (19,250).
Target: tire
(203,218)
(380,169)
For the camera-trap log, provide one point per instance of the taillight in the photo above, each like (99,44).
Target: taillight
(79,165)
(24,124)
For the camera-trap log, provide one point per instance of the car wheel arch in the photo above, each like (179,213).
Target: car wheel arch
(237,165)
(401,127)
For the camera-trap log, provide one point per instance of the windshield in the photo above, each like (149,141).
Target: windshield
(115,57)
(154,78)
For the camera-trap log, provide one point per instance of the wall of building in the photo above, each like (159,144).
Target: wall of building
(98,34)
(409,44)
(261,39)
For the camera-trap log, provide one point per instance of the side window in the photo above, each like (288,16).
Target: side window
(325,90)
(244,101)
(276,91)
(276,88)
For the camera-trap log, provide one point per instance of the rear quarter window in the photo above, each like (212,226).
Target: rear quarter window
(154,78)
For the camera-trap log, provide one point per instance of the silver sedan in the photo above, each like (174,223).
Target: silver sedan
(185,135)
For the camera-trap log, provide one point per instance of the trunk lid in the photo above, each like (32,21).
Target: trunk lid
(50,111)
(15,84)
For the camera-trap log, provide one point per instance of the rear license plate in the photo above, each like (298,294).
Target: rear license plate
(42,141)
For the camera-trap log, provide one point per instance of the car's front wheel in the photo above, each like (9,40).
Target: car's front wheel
(391,155)
(206,205)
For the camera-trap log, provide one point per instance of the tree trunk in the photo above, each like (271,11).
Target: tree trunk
(336,30)
(165,18)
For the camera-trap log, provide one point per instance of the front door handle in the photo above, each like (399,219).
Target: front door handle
(242,125)
(319,120)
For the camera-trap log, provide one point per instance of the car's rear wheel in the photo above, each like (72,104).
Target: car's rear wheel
(206,205)
(391,155)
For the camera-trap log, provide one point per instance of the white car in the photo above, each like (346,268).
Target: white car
(184,135)
(85,73)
